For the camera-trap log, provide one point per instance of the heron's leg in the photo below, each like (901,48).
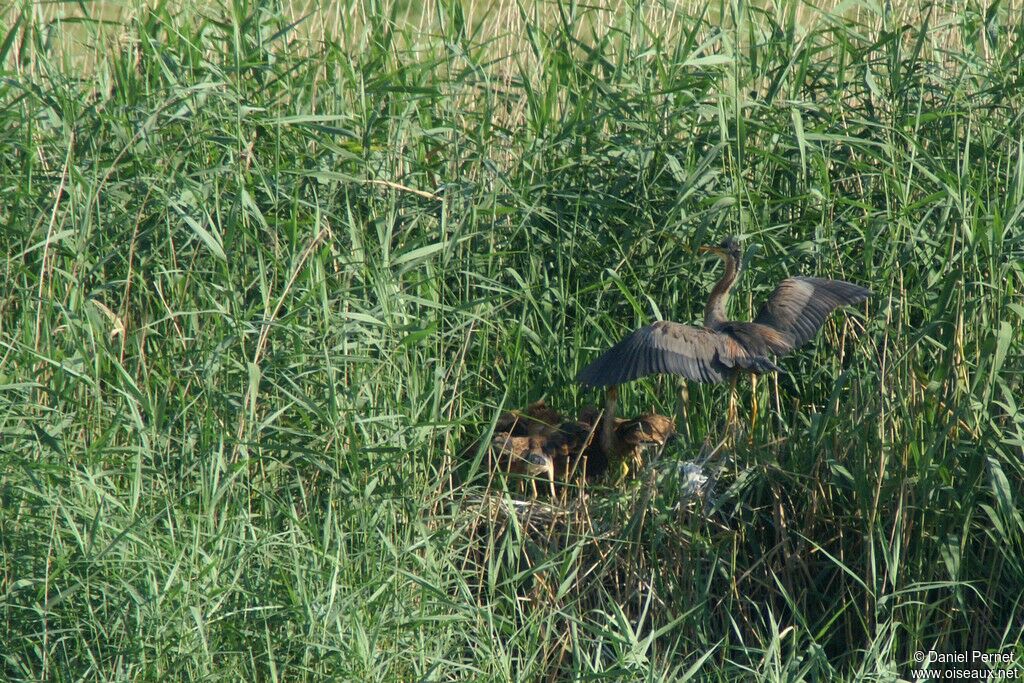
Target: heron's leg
(683,411)
(623,472)
(778,403)
(730,416)
(753,406)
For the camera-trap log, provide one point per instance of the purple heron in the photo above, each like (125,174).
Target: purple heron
(624,441)
(539,443)
(723,349)
(529,457)
(611,445)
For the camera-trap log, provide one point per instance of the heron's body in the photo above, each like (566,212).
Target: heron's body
(722,348)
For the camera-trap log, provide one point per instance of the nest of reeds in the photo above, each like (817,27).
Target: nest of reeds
(553,487)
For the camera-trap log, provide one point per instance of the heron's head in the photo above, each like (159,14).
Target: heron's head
(648,430)
(536,462)
(524,455)
(728,248)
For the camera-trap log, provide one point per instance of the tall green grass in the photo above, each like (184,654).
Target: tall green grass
(270,271)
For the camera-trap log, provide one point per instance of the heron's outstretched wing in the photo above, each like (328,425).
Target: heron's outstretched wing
(799,305)
(665,347)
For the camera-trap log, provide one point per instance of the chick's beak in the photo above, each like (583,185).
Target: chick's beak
(706,249)
(537,463)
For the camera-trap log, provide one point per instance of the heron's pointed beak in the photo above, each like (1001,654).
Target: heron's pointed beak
(706,249)
(537,463)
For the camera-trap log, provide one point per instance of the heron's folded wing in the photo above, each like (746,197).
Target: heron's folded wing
(664,347)
(799,305)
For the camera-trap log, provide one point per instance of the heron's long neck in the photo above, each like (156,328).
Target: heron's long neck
(608,425)
(714,311)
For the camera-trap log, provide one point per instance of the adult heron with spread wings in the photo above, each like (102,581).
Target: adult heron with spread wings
(722,349)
